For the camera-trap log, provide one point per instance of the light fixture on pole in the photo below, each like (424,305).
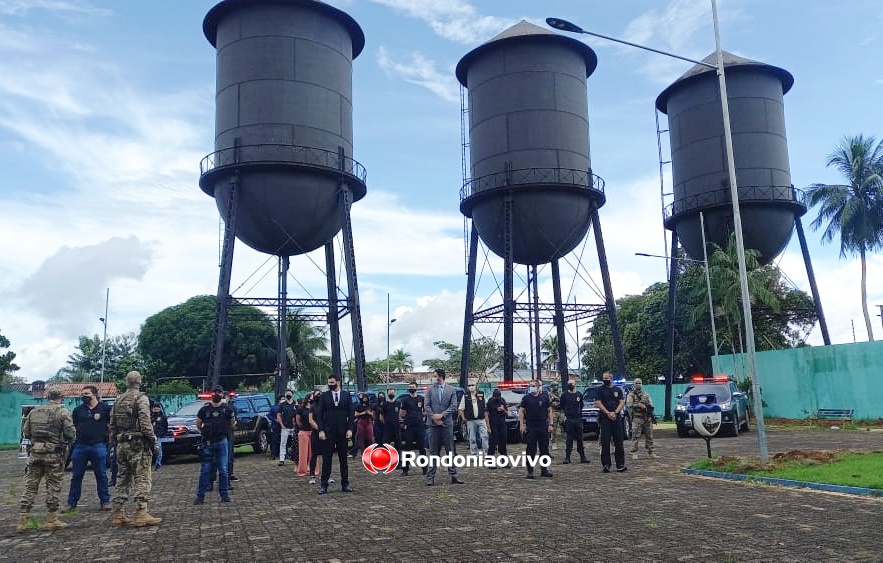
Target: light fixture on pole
(104,340)
(565,25)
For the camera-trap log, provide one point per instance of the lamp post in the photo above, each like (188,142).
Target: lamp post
(388,326)
(104,340)
(565,25)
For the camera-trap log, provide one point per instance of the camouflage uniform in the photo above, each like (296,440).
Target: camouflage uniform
(557,413)
(638,402)
(50,428)
(132,432)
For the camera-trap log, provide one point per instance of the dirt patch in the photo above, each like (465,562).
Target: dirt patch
(739,464)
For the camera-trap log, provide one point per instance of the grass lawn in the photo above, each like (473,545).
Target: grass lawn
(835,468)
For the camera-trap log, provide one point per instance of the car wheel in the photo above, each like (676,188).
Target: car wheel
(736,424)
(262,443)
(745,426)
(627,428)
(683,432)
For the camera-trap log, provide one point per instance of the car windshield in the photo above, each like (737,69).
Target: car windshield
(720,390)
(590,395)
(190,409)
(512,398)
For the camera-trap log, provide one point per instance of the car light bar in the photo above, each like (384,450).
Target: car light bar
(714,379)
(512,385)
(208,394)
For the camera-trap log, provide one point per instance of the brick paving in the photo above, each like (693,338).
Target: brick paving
(645,514)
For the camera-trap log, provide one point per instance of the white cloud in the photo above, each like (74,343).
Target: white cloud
(418,69)
(23,7)
(455,20)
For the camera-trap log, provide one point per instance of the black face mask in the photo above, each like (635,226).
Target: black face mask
(392,395)
(412,391)
(216,398)
(86,400)
(333,386)
(608,382)
(571,387)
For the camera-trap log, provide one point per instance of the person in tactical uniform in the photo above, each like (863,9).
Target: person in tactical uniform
(555,401)
(641,406)
(495,421)
(214,420)
(572,406)
(535,421)
(610,401)
(389,415)
(132,433)
(413,430)
(49,428)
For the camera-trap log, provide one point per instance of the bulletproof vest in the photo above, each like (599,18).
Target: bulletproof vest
(45,426)
(555,400)
(125,413)
(639,407)
(216,422)
(469,411)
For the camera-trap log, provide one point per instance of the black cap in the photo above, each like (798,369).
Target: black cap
(217,389)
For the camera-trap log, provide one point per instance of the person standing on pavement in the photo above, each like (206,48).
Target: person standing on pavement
(273,415)
(334,416)
(495,421)
(472,411)
(48,427)
(285,418)
(413,428)
(364,424)
(160,428)
(389,415)
(610,401)
(214,420)
(132,434)
(555,401)
(535,422)
(231,435)
(315,445)
(441,406)
(572,407)
(304,436)
(641,407)
(91,419)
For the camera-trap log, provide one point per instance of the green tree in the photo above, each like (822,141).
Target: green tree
(7,366)
(484,354)
(854,211)
(176,342)
(401,361)
(121,357)
(304,343)
(549,348)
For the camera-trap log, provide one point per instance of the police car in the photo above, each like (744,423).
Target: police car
(591,413)
(253,426)
(733,404)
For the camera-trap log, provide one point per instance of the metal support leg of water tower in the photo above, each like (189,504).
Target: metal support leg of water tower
(508,292)
(559,325)
(333,313)
(609,302)
(223,299)
(466,351)
(282,327)
(670,323)
(346,198)
(537,340)
(817,301)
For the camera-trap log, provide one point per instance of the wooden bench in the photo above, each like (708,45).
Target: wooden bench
(833,414)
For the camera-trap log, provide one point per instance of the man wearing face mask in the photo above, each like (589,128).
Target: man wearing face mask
(285,418)
(472,411)
(214,421)
(572,406)
(441,406)
(90,419)
(495,421)
(641,407)
(334,416)
(413,429)
(610,401)
(535,420)
(389,416)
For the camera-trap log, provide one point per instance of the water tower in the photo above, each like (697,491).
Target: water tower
(531,192)
(282,172)
(770,206)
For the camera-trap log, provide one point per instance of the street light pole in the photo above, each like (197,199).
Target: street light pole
(388,326)
(104,340)
(565,25)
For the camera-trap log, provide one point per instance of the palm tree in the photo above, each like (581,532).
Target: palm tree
(304,343)
(401,361)
(723,270)
(854,210)
(549,348)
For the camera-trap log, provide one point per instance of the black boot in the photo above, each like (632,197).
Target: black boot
(566,459)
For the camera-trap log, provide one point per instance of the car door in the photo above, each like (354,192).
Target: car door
(245,415)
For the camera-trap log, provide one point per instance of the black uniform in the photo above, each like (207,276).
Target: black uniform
(610,398)
(572,406)
(315,443)
(497,425)
(414,430)
(536,419)
(391,431)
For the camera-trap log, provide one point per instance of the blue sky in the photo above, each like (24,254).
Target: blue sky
(106,108)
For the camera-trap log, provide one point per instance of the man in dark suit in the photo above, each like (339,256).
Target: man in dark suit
(441,406)
(334,416)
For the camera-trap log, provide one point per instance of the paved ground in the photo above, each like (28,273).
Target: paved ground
(650,513)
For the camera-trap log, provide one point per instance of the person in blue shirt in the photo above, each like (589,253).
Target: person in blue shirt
(91,420)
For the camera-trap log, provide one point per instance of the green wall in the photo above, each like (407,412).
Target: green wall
(798,381)
(10,415)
